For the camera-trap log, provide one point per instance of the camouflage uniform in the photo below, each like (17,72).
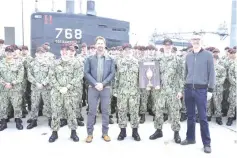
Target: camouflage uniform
(38,72)
(218,90)
(65,74)
(11,73)
(232,94)
(127,91)
(171,83)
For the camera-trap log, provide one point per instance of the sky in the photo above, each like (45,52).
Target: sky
(144,16)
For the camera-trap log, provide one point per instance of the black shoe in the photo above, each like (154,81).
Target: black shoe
(49,122)
(151,113)
(29,120)
(207,149)
(135,134)
(208,118)
(177,138)
(165,117)
(74,136)
(111,121)
(32,124)
(122,134)
(63,122)
(230,121)
(183,117)
(19,125)
(219,121)
(20,120)
(3,124)
(80,123)
(187,142)
(143,118)
(158,134)
(53,137)
(81,118)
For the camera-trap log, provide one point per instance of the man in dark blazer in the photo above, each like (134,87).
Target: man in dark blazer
(99,72)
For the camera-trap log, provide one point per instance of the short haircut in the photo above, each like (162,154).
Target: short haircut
(100,38)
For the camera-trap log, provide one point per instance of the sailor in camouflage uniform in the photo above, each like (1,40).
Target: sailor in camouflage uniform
(128,94)
(38,76)
(2,51)
(26,59)
(218,90)
(11,78)
(171,85)
(66,76)
(232,80)
(48,54)
(72,52)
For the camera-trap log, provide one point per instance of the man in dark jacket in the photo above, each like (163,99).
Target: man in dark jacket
(99,72)
(199,84)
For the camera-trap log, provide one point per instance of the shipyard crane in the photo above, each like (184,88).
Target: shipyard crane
(222,32)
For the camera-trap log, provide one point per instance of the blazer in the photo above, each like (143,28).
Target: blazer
(90,71)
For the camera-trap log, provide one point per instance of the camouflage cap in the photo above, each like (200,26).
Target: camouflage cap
(64,46)
(24,48)
(1,41)
(167,41)
(227,48)
(127,45)
(232,51)
(40,50)
(9,49)
(15,47)
(216,50)
(71,47)
(83,45)
(47,43)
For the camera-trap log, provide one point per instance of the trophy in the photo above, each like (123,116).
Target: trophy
(149,75)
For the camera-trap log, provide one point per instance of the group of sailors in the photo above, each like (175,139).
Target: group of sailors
(58,85)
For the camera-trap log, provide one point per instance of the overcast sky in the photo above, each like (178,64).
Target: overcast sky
(144,15)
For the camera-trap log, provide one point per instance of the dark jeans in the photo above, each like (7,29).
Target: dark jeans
(197,97)
(93,97)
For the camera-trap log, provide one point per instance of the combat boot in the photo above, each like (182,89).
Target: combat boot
(81,118)
(80,123)
(53,137)
(183,117)
(219,121)
(16,119)
(158,134)
(208,118)
(19,125)
(165,117)
(151,113)
(32,124)
(177,138)
(143,118)
(63,122)
(74,136)
(29,120)
(122,134)
(49,122)
(135,134)
(3,124)
(230,121)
